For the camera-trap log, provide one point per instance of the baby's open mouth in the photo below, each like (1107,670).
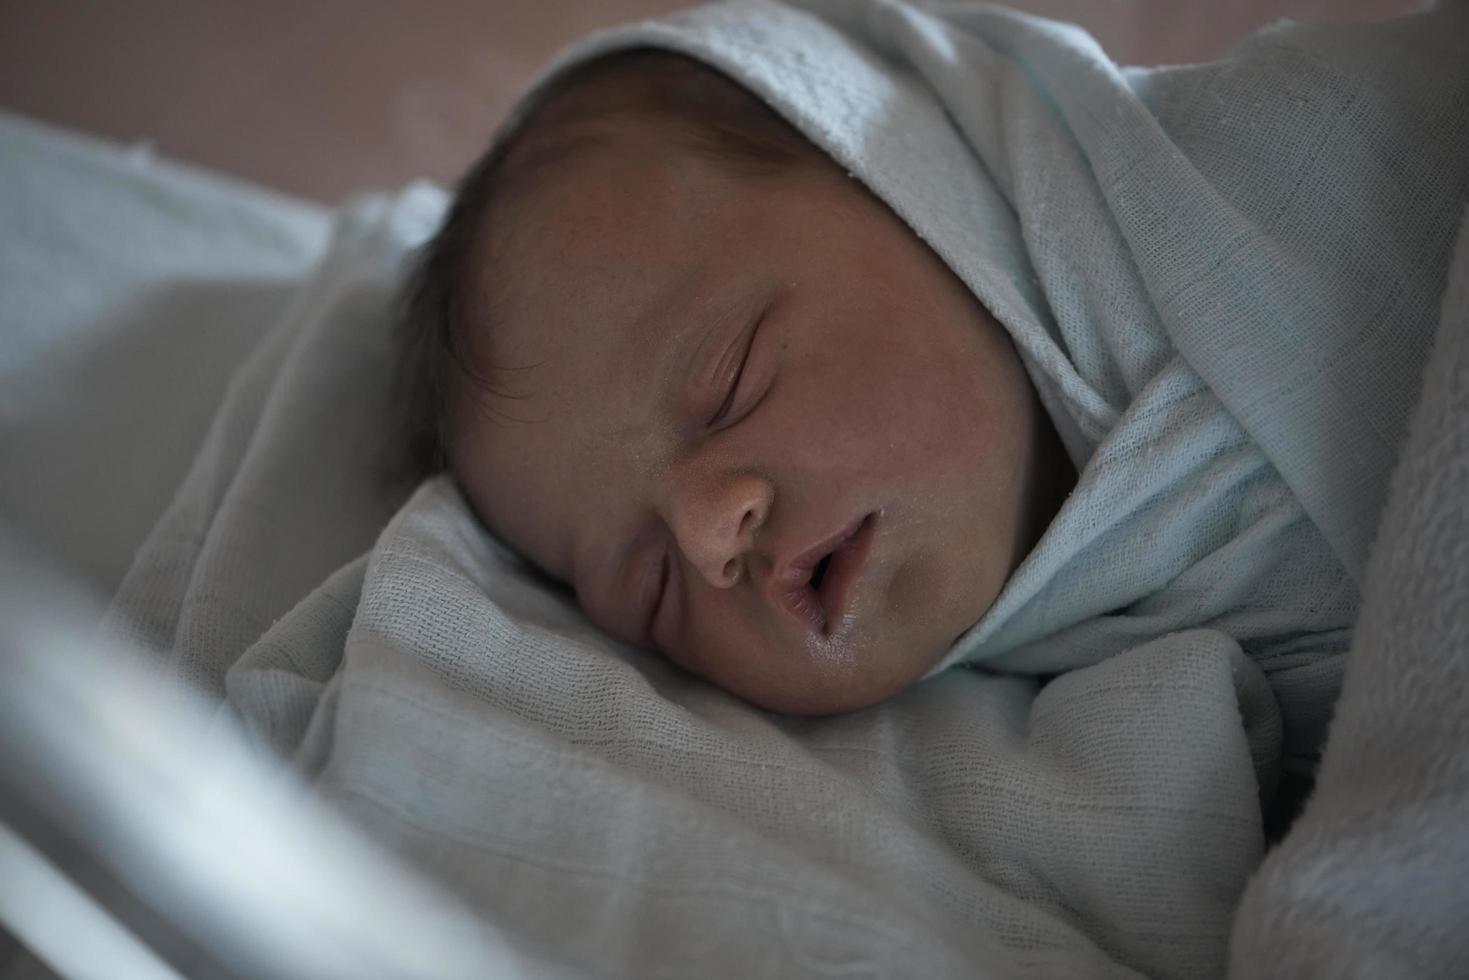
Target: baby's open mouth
(817,587)
(820,572)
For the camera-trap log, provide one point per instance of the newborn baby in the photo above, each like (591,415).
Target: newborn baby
(1084,359)
(685,365)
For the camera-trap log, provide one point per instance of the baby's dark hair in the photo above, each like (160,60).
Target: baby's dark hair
(712,116)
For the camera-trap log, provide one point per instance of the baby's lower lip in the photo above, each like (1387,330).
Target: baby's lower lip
(824,609)
(802,602)
(843,574)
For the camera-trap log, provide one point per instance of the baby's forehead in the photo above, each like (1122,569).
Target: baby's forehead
(577,308)
(565,189)
(587,250)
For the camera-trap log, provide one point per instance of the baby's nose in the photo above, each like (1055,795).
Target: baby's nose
(715,517)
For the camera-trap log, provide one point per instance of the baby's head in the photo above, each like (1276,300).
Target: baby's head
(686,365)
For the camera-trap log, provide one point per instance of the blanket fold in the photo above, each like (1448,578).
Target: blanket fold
(1373,882)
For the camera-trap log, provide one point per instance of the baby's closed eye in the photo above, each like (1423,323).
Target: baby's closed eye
(724,390)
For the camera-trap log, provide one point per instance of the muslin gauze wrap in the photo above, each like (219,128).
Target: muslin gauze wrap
(1222,279)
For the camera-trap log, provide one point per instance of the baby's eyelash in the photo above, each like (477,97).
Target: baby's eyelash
(734,386)
(746,345)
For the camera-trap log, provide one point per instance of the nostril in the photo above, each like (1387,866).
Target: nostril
(731,570)
(748,521)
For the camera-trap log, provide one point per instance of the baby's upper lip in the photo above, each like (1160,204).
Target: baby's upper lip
(790,582)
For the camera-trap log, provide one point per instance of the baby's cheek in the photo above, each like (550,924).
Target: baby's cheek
(714,630)
(912,589)
(926,411)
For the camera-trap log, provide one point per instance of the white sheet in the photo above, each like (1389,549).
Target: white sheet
(130,290)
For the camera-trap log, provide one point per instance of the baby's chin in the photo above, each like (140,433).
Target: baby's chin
(820,703)
(827,682)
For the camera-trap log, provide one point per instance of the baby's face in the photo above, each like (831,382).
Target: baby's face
(752,420)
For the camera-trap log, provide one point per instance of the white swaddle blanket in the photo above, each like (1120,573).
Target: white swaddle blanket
(615,816)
